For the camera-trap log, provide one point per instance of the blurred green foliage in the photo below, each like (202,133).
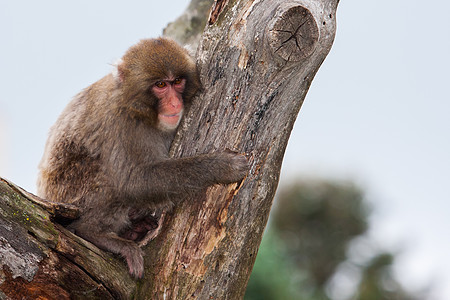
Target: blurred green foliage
(307,241)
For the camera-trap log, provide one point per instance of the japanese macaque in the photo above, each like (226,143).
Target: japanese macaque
(108,151)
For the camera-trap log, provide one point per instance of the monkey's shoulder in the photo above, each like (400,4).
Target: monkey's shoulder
(99,96)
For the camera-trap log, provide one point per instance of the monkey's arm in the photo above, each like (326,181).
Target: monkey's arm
(179,176)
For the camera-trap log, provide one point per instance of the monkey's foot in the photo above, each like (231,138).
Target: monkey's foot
(151,234)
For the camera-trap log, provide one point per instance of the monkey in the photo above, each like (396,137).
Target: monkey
(108,152)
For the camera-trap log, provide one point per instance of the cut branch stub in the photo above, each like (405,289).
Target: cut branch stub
(293,35)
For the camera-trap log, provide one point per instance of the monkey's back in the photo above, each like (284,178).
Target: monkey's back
(71,165)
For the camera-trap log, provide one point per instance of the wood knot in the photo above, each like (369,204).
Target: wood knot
(293,34)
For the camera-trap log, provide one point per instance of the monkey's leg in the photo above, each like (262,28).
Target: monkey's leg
(113,243)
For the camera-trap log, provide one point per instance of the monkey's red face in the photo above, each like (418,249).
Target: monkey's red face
(170,107)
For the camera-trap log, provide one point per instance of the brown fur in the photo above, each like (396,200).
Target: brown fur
(106,155)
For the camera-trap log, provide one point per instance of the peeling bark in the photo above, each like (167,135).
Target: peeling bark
(257,59)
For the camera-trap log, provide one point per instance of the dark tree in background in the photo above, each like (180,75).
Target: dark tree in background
(316,221)
(313,224)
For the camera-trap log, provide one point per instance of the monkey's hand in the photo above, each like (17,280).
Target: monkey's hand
(231,167)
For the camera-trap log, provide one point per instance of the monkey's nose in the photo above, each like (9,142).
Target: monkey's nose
(175,102)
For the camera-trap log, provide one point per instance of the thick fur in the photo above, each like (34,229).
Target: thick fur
(107,155)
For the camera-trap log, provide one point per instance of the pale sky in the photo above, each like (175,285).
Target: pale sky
(376,113)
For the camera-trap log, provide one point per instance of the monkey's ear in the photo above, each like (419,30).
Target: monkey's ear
(119,71)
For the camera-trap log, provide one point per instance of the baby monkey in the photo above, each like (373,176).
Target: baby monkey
(108,151)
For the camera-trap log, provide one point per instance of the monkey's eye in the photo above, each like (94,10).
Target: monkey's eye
(177,81)
(160,84)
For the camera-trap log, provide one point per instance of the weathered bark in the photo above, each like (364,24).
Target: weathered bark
(40,258)
(257,59)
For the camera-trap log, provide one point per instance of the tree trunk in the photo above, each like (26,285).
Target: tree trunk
(257,59)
